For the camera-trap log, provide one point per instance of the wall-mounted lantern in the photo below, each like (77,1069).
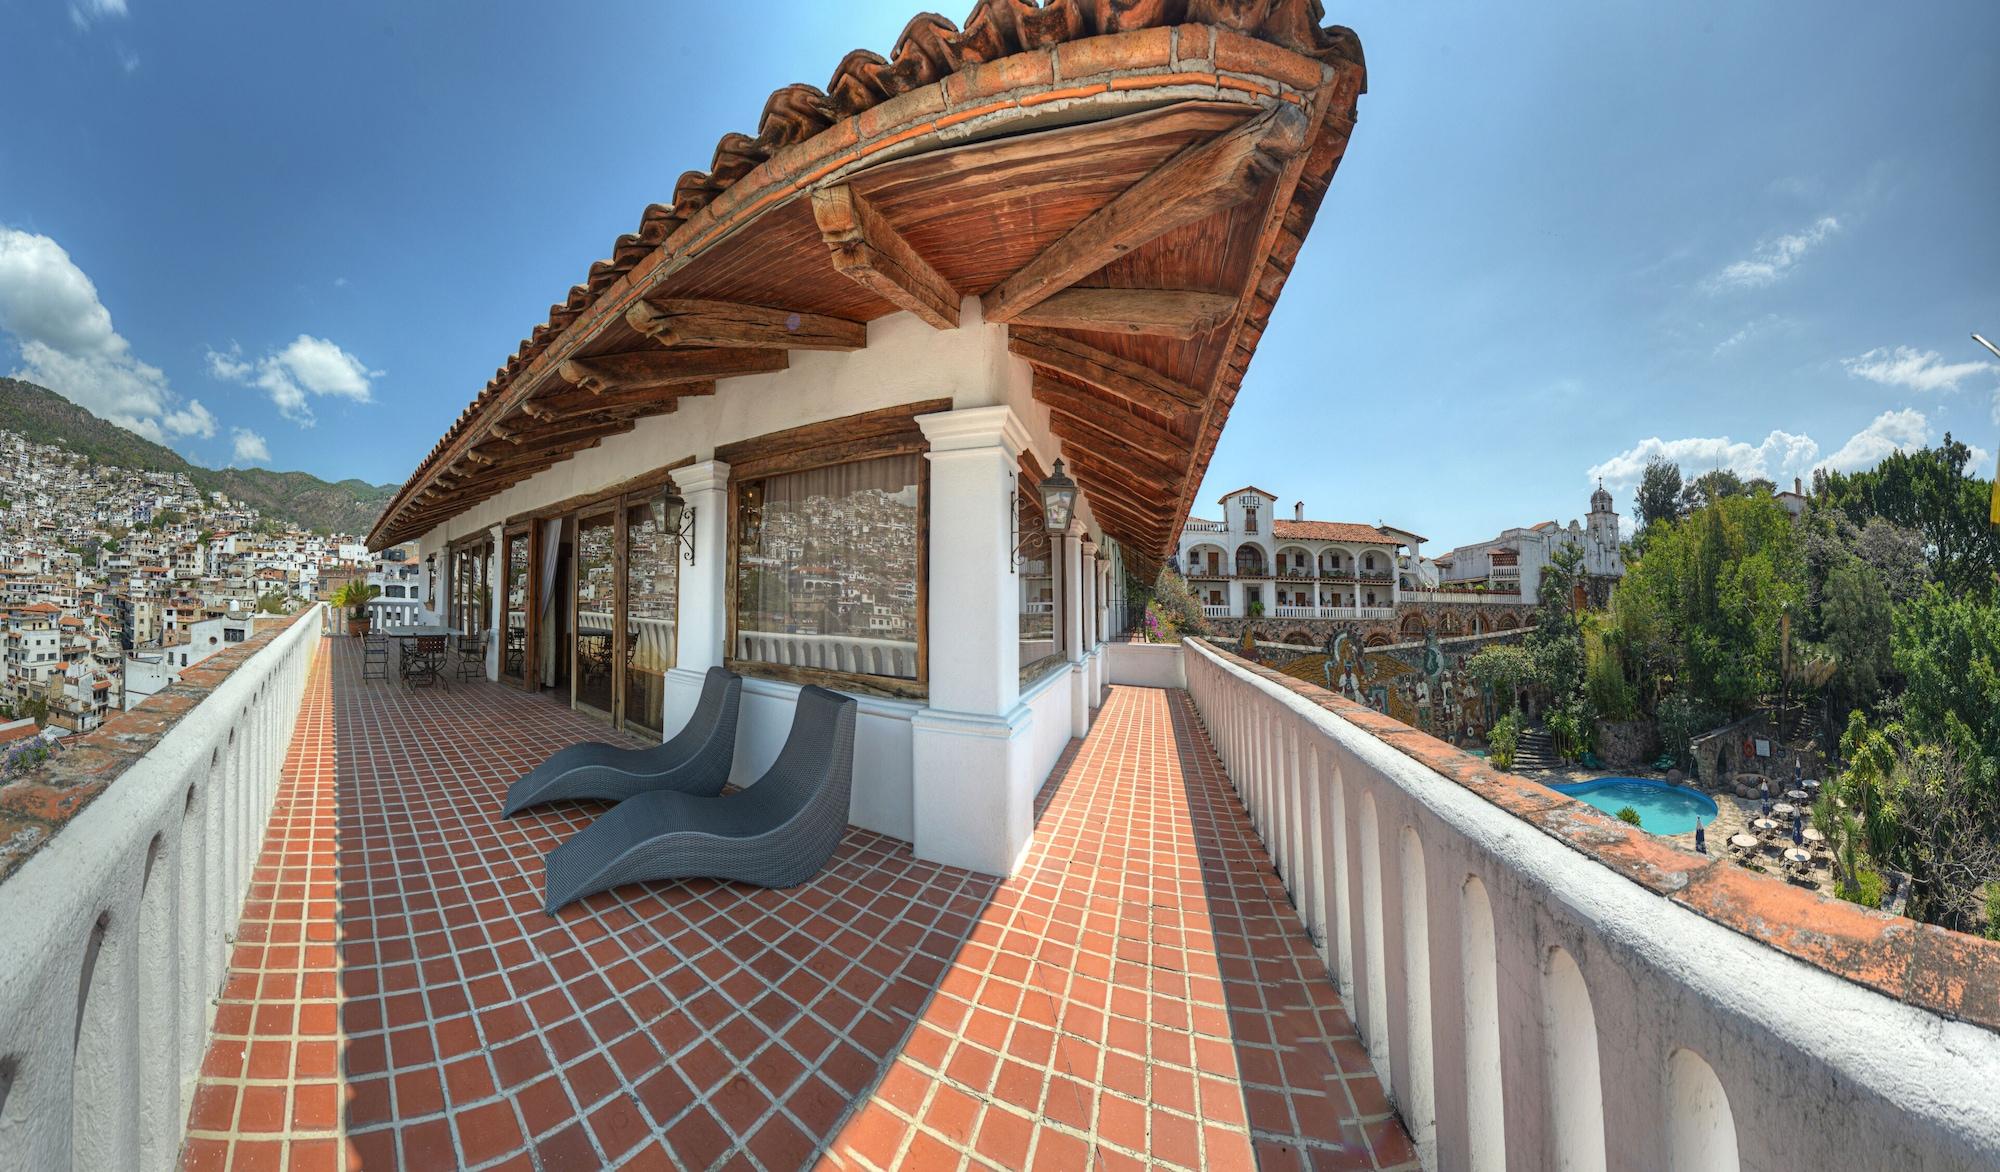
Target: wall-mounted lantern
(673,516)
(1058,500)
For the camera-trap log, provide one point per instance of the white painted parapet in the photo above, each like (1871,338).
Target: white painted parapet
(1145,665)
(114,937)
(1527,1006)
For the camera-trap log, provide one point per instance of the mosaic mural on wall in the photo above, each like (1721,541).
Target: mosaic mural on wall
(1424,685)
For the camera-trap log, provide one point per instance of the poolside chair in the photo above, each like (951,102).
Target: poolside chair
(375,656)
(696,761)
(778,832)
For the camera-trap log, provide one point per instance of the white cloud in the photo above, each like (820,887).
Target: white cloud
(194,419)
(67,343)
(1753,328)
(1779,457)
(250,447)
(1891,431)
(1906,366)
(305,368)
(1772,259)
(83,13)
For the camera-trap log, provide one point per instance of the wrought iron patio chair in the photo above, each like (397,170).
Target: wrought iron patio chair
(695,761)
(423,661)
(778,832)
(472,655)
(375,656)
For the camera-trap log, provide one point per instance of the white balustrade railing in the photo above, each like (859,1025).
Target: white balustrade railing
(114,937)
(1526,1006)
(849,653)
(1215,612)
(1462,596)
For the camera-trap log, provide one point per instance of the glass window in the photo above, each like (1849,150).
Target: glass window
(1249,520)
(514,664)
(652,591)
(826,568)
(596,602)
(1037,574)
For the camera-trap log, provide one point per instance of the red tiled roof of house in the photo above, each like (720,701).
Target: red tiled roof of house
(18,730)
(1331,531)
(930,49)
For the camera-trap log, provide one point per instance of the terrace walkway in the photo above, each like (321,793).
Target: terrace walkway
(1140,991)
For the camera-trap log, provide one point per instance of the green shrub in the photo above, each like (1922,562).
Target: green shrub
(1683,718)
(1993,910)
(1502,739)
(1865,888)
(1628,814)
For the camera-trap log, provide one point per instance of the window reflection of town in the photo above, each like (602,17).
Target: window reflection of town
(828,578)
(1035,572)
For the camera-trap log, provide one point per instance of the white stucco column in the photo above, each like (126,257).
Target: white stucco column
(702,621)
(973,801)
(704,586)
(1074,576)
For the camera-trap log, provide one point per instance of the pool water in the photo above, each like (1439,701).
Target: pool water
(1663,808)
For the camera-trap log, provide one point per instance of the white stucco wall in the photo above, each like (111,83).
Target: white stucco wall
(905,361)
(1146,665)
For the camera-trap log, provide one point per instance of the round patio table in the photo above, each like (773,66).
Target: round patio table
(1746,841)
(1812,834)
(1797,795)
(1784,808)
(1810,785)
(1797,856)
(1765,824)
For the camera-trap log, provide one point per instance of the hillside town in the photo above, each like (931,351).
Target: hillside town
(114,581)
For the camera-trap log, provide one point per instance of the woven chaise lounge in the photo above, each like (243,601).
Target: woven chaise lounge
(778,832)
(695,761)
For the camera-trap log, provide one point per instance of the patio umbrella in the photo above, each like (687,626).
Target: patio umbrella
(1798,833)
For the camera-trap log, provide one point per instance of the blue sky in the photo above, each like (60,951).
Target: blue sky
(1565,235)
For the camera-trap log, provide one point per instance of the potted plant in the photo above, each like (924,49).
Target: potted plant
(354,597)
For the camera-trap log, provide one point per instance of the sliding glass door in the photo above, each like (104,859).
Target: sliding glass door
(652,590)
(516,567)
(596,609)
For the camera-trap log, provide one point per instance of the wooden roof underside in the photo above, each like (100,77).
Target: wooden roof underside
(1135,259)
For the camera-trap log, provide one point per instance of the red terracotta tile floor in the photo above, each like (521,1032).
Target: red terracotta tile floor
(1139,993)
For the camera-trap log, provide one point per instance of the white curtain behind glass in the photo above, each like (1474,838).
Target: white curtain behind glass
(826,568)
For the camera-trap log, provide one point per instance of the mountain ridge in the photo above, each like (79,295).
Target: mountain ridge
(42,416)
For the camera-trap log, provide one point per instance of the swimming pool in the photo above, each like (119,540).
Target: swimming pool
(1664,808)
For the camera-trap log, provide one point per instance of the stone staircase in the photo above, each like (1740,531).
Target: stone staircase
(1535,752)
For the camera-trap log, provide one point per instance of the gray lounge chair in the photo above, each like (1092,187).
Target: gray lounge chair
(695,761)
(778,832)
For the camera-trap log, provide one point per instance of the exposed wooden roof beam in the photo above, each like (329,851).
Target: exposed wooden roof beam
(686,322)
(871,252)
(1166,313)
(1128,380)
(1140,496)
(1200,181)
(653,399)
(665,368)
(1074,433)
(1082,407)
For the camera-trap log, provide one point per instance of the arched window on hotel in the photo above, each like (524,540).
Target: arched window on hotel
(1249,561)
